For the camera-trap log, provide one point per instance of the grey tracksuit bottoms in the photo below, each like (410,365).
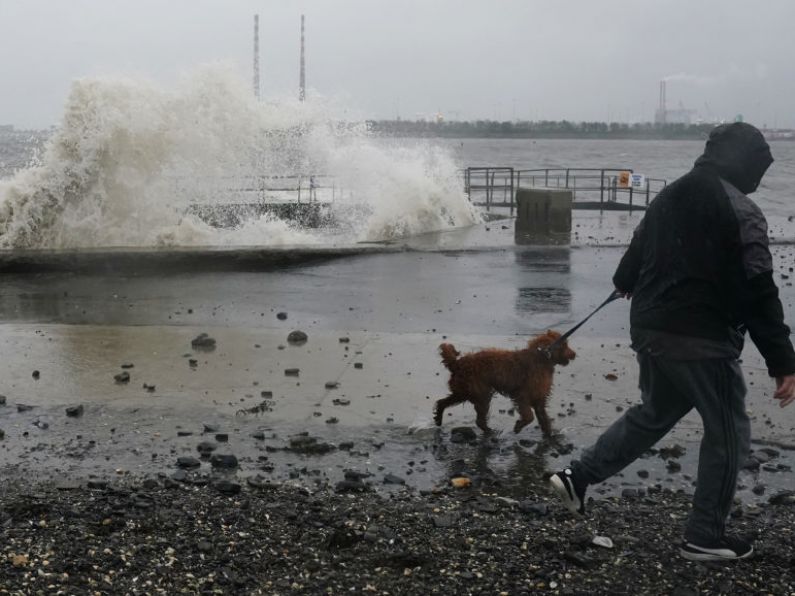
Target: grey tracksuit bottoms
(669,390)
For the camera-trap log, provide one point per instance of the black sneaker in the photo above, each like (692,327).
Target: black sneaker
(570,491)
(725,549)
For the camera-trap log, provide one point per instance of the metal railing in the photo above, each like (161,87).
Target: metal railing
(494,186)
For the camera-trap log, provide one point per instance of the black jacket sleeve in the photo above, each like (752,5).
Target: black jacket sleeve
(628,270)
(764,317)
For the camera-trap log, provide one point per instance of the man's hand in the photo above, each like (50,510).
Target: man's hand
(785,389)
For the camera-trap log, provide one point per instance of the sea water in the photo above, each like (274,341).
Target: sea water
(129,158)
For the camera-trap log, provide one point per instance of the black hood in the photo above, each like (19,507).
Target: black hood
(737,152)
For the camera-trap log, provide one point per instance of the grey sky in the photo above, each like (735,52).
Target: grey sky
(504,59)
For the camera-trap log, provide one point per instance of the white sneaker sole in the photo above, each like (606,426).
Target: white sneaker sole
(712,556)
(572,505)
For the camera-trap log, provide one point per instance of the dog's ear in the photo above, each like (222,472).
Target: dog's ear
(549,337)
(545,339)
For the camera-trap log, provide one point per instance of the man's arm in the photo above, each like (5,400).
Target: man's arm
(760,307)
(764,317)
(628,270)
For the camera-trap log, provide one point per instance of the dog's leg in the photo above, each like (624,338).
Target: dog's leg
(543,419)
(482,411)
(445,402)
(525,417)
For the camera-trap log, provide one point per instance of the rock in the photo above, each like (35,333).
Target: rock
(539,509)
(206,448)
(343,538)
(170,483)
(629,493)
(611,377)
(603,541)
(128,365)
(332,385)
(761,457)
(258,435)
(643,473)
(203,343)
(346,445)
(282,316)
(204,547)
(184,433)
(97,484)
(751,464)
(463,434)
(673,466)
(348,486)
(578,559)
(188,463)
(150,484)
(508,502)
(345,340)
(122,378)
(565,448)
(443,520)
(786,497)
(460,482)
(772,453)
(392,479)
(24,408)
(356,475)
(227,487)
(358,365)
(211,427)
(309,445)
(297,338)
(2,434)
(759,489)
(149,388)
(487,505)
(291,372)
(672,452)
(179,476)
(2,400)
(332,420)
(341,402)
(36,375)
(226,461)
(75,411)
(222,437)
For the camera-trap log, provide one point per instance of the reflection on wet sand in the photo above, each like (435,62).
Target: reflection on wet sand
(545,277)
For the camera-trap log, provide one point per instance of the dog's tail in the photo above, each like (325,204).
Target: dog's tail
(449,356)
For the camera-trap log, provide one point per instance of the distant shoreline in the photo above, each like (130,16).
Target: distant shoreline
(490,129)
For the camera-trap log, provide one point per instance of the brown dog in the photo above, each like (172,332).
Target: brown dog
(523,375)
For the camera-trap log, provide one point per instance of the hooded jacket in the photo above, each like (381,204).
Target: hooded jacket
(699,266)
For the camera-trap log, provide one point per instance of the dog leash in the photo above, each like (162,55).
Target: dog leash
(614,295)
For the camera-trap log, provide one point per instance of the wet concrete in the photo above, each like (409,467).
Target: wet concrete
(366,377)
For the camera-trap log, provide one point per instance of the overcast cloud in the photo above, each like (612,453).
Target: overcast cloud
(506,59)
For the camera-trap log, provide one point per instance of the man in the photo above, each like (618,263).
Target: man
(699,272)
